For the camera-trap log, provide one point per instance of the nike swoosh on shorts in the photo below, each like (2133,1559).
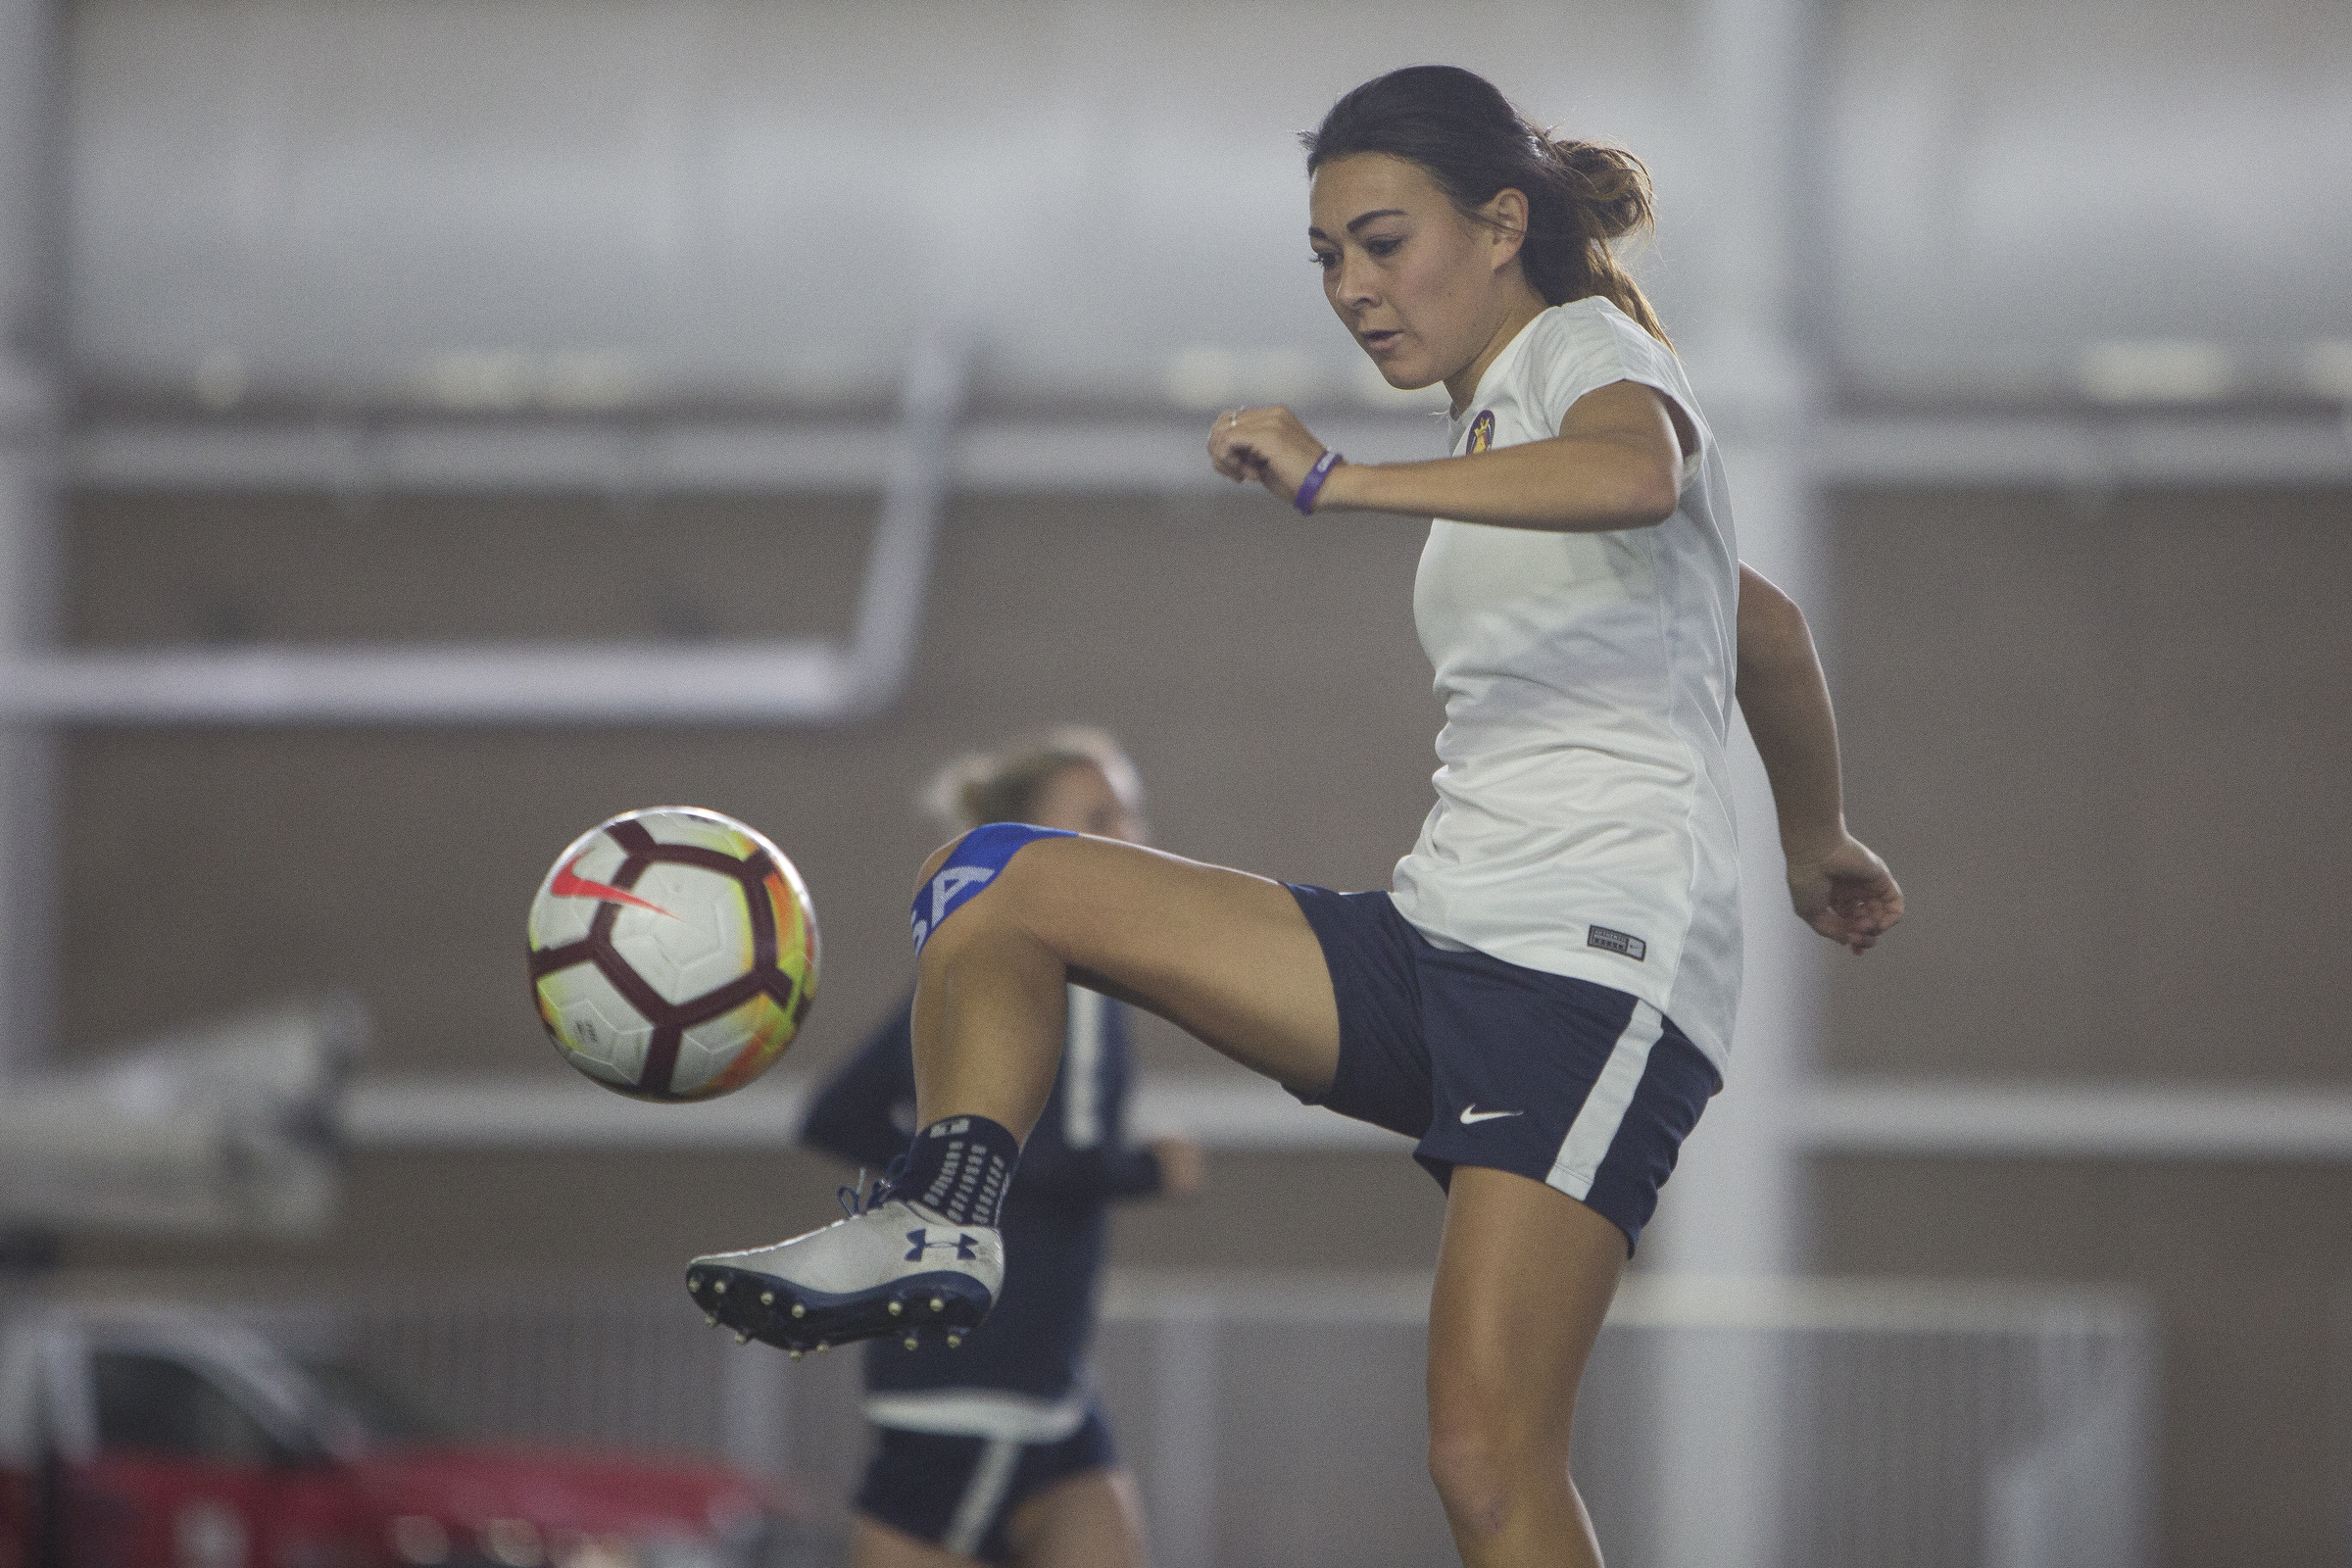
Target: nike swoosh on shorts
(1472,1115)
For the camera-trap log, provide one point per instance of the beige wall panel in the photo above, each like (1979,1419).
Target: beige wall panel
(2105,746)
(2246,1266)
(158,569)
(1262,668)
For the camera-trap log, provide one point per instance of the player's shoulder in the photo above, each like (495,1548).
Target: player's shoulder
(1594,337)
(1586,344)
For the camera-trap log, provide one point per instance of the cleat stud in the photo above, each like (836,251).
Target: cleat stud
(955,1341)
(799,1309)
(767,1297)
(742,1337)
(694,1282)
(938,1305)
(896,1308)
(718,1286)
(822,1346)
(795,1356)
(710,1320)
(913,1342)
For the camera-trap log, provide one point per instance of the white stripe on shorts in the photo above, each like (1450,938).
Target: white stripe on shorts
(981,1413)
(1596,1126)
(983,1495)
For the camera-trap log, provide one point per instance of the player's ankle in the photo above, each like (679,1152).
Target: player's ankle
(961,1166)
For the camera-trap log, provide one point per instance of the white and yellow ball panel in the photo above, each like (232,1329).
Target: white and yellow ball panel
(703,830)
(729,1051)
(797,945)
(599,1032)
(700,943)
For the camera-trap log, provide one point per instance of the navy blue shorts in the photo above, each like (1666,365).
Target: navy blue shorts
(957,1492)
(1582,1087)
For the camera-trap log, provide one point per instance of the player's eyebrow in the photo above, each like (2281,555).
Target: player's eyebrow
(1358,222)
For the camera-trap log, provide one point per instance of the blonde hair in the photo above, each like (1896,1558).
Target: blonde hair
(1002,786)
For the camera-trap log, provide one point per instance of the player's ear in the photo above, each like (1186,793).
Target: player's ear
(1506,223)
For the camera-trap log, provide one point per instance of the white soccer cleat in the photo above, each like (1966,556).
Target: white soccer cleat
(892,1267)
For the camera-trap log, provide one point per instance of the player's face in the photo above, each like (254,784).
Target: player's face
(1080,799)
(1411,278)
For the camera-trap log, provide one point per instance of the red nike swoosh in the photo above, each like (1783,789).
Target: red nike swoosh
(566,885)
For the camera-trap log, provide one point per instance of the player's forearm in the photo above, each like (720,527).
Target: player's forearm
(1567,484)
(1787,703)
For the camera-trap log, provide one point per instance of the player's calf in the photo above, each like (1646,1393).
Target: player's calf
(921,1253)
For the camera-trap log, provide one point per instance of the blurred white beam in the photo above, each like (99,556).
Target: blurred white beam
(2079,1120)
(764,682)
(1112,456)
(2150,450)
(1225,1113)
(429,457)
(1646,1298)
(1916,1118)
(726,456)
(760,682)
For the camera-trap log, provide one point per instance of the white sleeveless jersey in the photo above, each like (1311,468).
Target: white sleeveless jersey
(1584,819)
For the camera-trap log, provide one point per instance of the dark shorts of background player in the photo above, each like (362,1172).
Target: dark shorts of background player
(1571,1083)
(959,1493)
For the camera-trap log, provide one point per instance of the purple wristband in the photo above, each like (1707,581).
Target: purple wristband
(1312,485)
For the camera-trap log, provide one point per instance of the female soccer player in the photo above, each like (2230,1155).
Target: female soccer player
(997,1450)
(1544,995)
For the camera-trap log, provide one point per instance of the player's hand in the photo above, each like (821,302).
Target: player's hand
(1183,1168)
(1268,444)
(1847,894)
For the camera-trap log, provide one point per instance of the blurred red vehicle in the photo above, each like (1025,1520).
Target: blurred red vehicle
(166,1437)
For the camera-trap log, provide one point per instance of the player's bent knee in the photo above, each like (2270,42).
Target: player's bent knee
(1471,1479)
(1481,1450)
(960,870)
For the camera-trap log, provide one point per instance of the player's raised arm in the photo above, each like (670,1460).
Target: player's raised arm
(1616,463)
(1839,886)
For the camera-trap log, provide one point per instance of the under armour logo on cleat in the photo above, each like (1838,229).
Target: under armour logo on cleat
(919,1242)
(1472,1115)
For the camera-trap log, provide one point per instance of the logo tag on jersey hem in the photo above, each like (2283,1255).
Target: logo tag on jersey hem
(1608,940)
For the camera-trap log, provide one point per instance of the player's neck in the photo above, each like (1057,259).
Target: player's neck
(1520,306)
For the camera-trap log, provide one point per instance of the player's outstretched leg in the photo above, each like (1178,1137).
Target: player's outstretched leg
(1004,918)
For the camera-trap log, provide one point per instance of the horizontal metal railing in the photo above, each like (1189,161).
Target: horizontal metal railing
(1277,1417)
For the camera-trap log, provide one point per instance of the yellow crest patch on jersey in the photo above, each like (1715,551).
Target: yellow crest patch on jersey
(1482,432)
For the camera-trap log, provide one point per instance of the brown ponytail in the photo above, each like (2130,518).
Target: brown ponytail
(1580,195)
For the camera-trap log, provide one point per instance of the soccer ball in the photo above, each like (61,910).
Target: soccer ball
(673,953)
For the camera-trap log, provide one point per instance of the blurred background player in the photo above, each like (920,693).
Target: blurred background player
(998,1450)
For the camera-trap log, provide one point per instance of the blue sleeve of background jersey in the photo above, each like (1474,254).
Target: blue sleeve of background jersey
(1050,1168)
(852,1117)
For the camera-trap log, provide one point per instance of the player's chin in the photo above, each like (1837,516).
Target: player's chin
(1403,374)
